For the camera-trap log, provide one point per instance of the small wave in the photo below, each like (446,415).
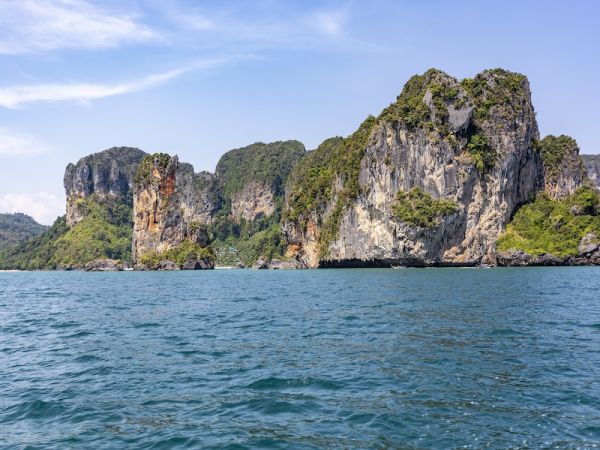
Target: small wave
(79,334)
(33,409)
(279,383)
(146,325)
(87,358)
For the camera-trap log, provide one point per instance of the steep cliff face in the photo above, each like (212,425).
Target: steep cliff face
(171,205)
(564,171)
(252,178)
(432,180)
(105,175)
(592,166)
(253,201)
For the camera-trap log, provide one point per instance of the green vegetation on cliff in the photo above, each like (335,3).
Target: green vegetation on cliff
(496,88)
(553,226)
(325,182)
(17,228)
(411,108)
(416,207)
(313,179)
(104,232)
(556,152)
(244,240)
(180,254)
(264,163)
(149,163)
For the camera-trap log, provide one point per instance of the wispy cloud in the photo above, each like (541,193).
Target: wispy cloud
(14,97)
(14,143)
(42,206)
(329,22)
(34,25)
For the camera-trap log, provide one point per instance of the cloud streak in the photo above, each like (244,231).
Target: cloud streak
(40,25)
(14,97)
(15,144)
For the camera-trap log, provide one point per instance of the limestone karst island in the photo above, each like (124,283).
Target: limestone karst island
(452,173)
(303,225)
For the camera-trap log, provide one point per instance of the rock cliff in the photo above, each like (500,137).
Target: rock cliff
(592,166)
(171,205)
(564,170)
(252,178)
(432,181)
(104,175)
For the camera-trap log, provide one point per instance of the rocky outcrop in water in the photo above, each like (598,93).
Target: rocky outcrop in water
(171,205)
(432,181)
(104,265)
(104,175)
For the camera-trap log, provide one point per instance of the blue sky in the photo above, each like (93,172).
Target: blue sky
(198,78)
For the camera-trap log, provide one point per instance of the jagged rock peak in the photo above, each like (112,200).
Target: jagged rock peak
(564,170)
(107,174)
(171,205)
(458,151)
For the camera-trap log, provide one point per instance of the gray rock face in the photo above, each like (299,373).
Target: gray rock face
(398,158)
(592,166)
(277,264)
(108,174)
(260,264)
(562,176)
(589,244)
(171,203)
(166,264)
(104,265)
(513,258)
(198,264)
(254,200)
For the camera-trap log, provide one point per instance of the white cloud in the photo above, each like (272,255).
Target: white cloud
(329,22)
(16,96)
(16,143)
(42,206)
(36,25)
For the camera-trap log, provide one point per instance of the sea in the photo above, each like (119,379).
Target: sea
(444,358)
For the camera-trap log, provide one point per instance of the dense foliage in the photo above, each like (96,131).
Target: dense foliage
(105,232)
(481,152)
(416,207)
(268,243)
(312,182)
(265,163)
(411,109)
(496,89)
(157,160)
(180,254)
(244,240)
(16,228)
(555,153)
(553,226)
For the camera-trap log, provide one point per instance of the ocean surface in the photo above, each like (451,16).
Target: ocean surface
(412,358)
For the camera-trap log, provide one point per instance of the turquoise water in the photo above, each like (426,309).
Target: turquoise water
(414,358)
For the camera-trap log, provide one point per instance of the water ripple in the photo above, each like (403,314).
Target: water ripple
(448,358)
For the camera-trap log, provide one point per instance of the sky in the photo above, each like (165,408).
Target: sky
(198,78)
